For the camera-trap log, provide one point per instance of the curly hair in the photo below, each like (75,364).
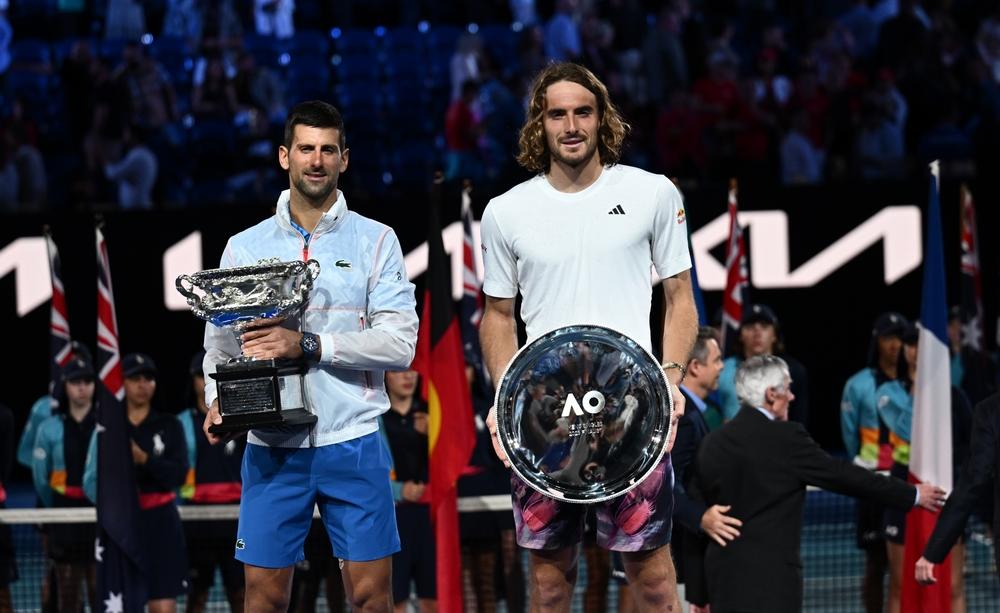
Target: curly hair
(534,154)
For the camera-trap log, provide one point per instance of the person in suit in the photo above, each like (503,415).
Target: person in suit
(698,521)
(980,472)
(760,465)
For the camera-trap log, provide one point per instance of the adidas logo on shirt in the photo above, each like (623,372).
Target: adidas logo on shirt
(618,210)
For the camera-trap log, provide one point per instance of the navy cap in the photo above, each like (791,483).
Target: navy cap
(78,368)
(911,334)
(890,324)
(759,313)
(196,369)
(79,350)
(138,364)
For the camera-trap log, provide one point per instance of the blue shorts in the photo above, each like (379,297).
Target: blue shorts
(349,482)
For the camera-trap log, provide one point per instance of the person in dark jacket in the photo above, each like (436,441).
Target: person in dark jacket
(760,464)
(213,477)
(161,464)
(406,424)
(58,463)
(697,521)
(981,472)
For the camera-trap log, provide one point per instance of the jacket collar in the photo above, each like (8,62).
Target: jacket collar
(752,412)
(330,220)
(692,411)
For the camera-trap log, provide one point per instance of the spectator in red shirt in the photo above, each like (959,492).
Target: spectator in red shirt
(811,98)
(679,136)
(461,133)
(718,98)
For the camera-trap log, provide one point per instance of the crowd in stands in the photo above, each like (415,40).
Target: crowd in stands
(178,102)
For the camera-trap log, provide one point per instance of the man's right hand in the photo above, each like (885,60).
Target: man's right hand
(721,527)
(491,425)
(211,418)
(413,491)
(931,497)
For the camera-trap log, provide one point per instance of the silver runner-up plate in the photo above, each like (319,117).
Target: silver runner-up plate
(583,413)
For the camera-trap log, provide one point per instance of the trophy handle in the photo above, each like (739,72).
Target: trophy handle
(185,285)
(311,272)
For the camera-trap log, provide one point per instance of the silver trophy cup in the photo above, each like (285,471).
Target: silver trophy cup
(254,393)
(583,413)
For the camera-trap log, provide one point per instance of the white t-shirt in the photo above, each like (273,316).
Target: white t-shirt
(585,257)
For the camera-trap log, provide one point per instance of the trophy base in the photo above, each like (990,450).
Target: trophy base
(240,423)
(261,394)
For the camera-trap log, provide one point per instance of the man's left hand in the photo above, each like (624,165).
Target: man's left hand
(679,404)
(138,455)
(925,572)
(265,339)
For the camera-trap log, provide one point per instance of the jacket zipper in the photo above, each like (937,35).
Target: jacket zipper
(306,242)
(305,393)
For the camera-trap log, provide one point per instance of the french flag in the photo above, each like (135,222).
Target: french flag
(930,440)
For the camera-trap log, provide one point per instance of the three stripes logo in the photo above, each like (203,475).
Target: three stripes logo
(618,210)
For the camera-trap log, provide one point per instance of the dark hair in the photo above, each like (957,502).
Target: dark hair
(700,350)
(903,365)
(315,114)
(534,154)
(779,341)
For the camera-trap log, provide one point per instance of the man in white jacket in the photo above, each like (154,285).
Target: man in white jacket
(359,322)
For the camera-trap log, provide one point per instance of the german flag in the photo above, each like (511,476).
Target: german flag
(441,364)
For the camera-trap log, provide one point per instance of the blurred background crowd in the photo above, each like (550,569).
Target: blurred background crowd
(173,103)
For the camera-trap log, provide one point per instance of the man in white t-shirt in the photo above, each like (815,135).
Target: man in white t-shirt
(577,242)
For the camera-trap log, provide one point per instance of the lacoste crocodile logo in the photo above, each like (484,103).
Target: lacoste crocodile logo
(342,264)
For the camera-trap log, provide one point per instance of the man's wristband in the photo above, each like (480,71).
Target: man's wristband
(669,365)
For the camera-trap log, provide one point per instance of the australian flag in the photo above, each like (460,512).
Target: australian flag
(972,285)
(471,308)
(118,551)
(737,291)
(60,344)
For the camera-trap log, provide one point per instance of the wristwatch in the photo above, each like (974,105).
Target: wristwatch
(310,346)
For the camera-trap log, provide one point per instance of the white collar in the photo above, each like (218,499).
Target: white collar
(330,219)
(766,413)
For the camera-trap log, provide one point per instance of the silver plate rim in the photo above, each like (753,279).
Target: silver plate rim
(502,434)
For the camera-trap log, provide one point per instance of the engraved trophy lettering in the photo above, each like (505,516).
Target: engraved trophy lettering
(254,393)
